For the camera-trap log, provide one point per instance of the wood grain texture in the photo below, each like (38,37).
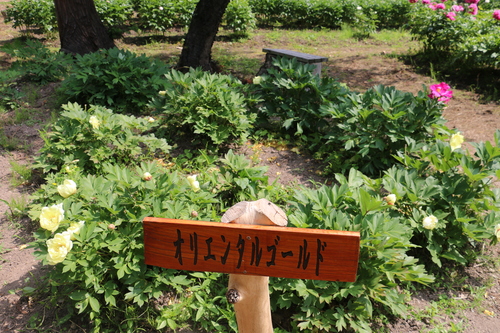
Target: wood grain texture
(251,249)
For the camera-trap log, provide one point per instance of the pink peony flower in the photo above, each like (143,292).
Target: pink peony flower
(441,92)
(472,1)
(440,6)
(496,14)
(473,8)
(426,2)
(451,15)
(413,1)
(433,6)
(457,8)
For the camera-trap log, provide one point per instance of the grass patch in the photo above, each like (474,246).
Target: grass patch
(20,175)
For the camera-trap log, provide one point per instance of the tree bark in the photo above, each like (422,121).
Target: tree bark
(205,22)
(80,28)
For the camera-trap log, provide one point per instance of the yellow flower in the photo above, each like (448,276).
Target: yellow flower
(94,122)
(430,222)
(456,141)
(390,199)
(67,189)
(257,80)
(195,185)
(162,93)
(58,247)
(151,120)
(74,228)
(497,232)
(51,217)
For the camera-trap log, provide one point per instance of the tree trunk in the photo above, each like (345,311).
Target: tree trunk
(201,34)
(80,28)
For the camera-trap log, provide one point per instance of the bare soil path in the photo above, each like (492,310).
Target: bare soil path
(360,66)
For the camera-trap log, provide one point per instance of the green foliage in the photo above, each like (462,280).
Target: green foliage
(386,14)
(299,14)
(114,14)
(40,14)
(239,17)
(469,42)
(31,14)
(104,273)
(204,106)
(161,15)
(36,63)
(10,95)
(293,95)
(383,119)
(384,264)
(314,14)
(453,185)
(114,78)
(88,138)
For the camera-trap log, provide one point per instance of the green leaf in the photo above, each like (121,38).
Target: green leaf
(94,304)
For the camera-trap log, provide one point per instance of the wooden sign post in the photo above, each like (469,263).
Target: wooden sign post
(250,254)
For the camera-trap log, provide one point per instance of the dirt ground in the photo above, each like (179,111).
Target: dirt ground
(360,68)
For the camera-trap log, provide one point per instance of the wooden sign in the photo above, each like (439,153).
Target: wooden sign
(251,249)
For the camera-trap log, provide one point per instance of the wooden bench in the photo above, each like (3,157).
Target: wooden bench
(302,57)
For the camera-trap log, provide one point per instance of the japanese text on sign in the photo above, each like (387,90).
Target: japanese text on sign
(249,249)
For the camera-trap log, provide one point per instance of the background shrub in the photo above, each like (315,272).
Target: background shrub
(32,14)
(239,17)
(88,137)
(114,78)
(115,15)
(36,63)
(292,95)
(383,119)
(161,15)
(204,107)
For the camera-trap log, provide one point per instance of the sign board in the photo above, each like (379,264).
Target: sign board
(251,249)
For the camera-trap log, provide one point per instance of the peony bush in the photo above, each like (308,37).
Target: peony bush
(457,34)
(433,206)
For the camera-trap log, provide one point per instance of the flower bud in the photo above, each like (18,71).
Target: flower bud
(162,93)
(111,226)
(390,199)
(151,120)
(194,213)
(257,80)
(147,176)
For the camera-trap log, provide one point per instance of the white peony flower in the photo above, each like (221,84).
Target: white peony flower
(195,185)
(59,247)
(94,121)
(456,141)
(51,217)
(430,222)
(74,228)
(67,189)
(390,199)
